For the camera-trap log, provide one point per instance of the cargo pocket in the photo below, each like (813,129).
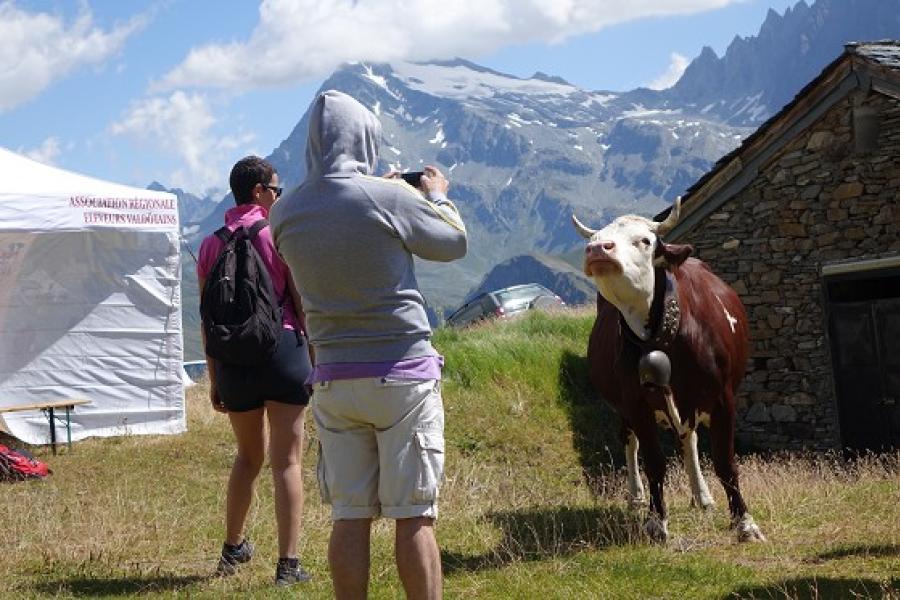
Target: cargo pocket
(320,476)
(430,445)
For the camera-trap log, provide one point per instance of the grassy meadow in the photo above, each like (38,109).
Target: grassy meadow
(533,504)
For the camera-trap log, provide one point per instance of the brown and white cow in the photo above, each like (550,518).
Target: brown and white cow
(669,346)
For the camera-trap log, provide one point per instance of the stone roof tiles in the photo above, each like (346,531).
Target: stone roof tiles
(885,53)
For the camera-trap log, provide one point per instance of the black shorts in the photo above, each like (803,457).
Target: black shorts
(281,379)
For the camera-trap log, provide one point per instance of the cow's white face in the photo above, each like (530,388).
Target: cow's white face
(619,258)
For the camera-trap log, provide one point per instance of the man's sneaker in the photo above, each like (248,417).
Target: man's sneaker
(232,556)
(289,571)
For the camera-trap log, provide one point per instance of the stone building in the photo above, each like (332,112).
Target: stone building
(803,219)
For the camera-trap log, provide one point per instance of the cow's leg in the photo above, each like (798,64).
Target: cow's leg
(721,429)
(635,485)
(699,489)
(656,525)
(688,437)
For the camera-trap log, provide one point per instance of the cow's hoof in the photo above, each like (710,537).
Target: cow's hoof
(747,530)
(656,529)
(705,504)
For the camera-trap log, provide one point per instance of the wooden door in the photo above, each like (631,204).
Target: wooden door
(865,345)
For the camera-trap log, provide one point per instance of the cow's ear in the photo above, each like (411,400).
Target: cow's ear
(671,255)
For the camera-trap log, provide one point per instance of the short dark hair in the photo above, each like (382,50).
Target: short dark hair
(245,174)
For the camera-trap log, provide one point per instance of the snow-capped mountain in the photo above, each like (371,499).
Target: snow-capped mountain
(524,154)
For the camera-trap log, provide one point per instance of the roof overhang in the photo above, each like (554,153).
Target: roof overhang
(860,266)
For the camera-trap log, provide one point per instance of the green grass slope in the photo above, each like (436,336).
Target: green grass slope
(532,505)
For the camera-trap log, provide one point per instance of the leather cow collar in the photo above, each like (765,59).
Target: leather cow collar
(665,315)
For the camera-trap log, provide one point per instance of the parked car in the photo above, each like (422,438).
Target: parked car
(504,302)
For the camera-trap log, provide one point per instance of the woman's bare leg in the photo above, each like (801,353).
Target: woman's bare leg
(249,432)
(286,438)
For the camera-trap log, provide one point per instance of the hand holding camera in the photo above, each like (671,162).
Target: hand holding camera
(433,180)
(429,180)
(413,178)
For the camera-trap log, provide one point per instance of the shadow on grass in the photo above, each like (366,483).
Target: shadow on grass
(550,533)
(865,550)
(815,588)
(595,425)
(90,587)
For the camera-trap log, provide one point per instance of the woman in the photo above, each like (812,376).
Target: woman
(275,391)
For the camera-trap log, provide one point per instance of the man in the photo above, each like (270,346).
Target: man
(349,240)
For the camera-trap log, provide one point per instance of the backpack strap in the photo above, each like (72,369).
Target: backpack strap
(256,228)
(224,234)
(252,232)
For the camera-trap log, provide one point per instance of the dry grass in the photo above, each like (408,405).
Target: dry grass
(532,507)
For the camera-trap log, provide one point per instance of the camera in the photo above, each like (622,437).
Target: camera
(413,178)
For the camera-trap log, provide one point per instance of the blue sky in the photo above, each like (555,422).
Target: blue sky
(177,90)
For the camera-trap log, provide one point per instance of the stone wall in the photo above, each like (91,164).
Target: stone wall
(823,198)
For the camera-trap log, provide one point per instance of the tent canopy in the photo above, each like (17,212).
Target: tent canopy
(90,302)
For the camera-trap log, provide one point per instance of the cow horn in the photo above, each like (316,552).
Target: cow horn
(586,232)
(670,222)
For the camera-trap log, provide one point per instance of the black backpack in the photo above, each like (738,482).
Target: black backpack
(240,312)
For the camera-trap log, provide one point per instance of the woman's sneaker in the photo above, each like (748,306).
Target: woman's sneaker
(232,556)
(289,571)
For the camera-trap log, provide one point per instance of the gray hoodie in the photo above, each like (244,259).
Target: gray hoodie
(349,240)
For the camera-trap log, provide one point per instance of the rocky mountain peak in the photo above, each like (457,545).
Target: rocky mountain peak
(540,75)
(760,74)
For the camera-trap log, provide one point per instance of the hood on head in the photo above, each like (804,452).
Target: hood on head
(343,136)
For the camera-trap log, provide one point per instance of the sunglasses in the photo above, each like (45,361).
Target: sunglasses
(277,190)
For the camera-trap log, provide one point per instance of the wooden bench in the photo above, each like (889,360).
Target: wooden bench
(49,407)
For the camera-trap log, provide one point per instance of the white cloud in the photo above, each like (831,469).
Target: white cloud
(302,39)
(182,124)
(676,69)
(45,153)
(41,48)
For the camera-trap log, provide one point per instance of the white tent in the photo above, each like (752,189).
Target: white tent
(90,303)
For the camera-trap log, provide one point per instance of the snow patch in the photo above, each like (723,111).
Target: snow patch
(460,81)
(751,106)
(518,120)
(639,111)
(376,79)
(438,137)
(598,99)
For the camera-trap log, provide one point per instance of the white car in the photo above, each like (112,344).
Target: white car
(504,302)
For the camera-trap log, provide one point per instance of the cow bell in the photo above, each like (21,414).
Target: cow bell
(654,369)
